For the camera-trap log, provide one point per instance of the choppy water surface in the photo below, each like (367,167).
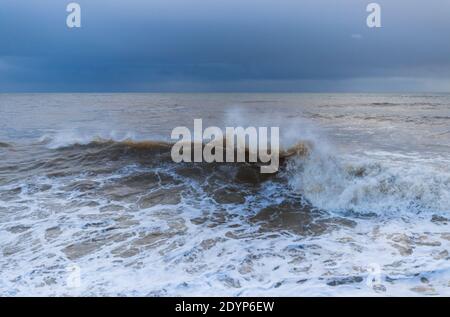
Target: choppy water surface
(88,190)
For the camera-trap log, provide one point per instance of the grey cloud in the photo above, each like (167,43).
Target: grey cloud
(258,45)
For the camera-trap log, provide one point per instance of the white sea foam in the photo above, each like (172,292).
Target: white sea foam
(373,182)
(200,247)
(73,137)
(367,185)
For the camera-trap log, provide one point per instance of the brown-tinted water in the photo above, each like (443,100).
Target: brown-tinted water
(88,189)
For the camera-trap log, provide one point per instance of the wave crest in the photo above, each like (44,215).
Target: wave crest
(301,148)
(327,181)
(366,186)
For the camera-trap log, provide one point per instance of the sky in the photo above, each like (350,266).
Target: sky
(224,46)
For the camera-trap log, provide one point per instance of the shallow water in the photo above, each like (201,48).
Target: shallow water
(86,197)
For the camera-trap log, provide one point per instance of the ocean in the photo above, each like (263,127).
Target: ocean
(91,203)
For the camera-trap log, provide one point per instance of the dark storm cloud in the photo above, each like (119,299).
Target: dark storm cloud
(198,45)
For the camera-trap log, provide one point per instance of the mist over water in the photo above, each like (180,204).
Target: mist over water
(86,180)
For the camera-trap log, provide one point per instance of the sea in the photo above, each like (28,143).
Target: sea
(91,203)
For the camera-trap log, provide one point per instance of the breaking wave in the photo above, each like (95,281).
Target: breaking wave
(301,148)
(370,186)
(328,181)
